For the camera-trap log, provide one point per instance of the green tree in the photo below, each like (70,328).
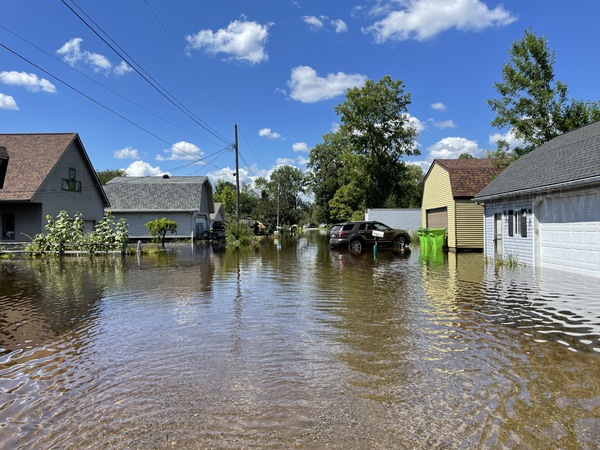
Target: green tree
(532,103)
(226,193)
(106,175)
(160,227)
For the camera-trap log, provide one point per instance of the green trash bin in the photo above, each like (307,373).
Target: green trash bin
(424,241)
(438,239)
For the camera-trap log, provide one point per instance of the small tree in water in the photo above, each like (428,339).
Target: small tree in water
(160,227)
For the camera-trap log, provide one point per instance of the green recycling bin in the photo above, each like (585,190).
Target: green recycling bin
(437,237)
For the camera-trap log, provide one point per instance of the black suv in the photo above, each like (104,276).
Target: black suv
(356,235)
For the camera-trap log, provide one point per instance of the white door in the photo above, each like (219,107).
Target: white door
(569,233)
(498,235)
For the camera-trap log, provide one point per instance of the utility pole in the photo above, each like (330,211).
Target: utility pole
(237,176)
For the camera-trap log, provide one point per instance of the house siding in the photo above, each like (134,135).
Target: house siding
(54,199)
(437,193)
(469,225)
(137,221)
(28,220)
(515,246)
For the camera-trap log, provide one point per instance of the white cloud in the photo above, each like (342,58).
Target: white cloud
(284,162)
(8,102)
(300,147)
(416,123)
(452,148)
(424,19)
(303,161)
(444,124)
(29,80)
(123,68)
(308,87)
(313,22)
(241,41)
(181,151)
(72,54)
(438,106)
(508,137)
(339,25)
(126,153)
(268,133)
(142,169)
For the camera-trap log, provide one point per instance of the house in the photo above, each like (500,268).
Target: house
(408,219)
(218,215)
(544,209)
(185,200)
(448,189)
(46,173)
(3,165)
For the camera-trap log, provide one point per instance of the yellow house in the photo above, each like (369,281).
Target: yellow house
(449,187)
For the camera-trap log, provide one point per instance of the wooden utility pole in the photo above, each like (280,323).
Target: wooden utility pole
(237,176)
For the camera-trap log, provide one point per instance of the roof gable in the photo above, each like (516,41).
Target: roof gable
(32,158)
(158,193)
(467,176)
(571,158)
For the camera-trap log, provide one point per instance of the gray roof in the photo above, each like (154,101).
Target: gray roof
(569,160)
(157,193)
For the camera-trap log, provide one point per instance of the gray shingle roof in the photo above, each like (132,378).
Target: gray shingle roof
(156,193)
(572,158)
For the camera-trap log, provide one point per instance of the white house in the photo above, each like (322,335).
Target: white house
(544,209)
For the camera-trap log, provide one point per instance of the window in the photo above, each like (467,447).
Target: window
(8,226)
(517,223)
(71,184)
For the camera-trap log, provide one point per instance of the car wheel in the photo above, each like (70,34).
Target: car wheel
(355,246)
(205,234)
(214,236)
(399,243)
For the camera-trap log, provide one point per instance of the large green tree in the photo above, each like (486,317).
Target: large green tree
(531,102)
(106,175)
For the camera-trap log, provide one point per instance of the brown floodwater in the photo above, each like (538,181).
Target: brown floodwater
(296,346)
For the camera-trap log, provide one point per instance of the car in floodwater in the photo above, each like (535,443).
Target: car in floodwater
(358,234)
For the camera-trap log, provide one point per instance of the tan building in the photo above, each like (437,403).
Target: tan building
(449,187)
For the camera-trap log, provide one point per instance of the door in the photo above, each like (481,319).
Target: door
(497,235)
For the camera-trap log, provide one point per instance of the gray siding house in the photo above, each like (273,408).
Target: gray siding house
(46,173)
(185,200)
(544,209)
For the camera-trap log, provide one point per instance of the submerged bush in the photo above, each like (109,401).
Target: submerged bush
(239,235)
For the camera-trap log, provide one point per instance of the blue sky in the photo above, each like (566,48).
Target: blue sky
(159,86)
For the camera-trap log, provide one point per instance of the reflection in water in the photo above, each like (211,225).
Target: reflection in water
(295,345)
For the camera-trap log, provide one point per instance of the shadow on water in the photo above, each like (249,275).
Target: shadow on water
(296,345)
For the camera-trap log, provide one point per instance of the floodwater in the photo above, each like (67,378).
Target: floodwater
(296,346)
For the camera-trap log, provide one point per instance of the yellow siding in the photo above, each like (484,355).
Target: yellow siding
(437,193)
(469,225)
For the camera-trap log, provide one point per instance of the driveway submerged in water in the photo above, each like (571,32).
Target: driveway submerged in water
(296,346)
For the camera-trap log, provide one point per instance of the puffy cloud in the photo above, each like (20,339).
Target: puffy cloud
(241,40)
(318,23)
(300,147)
(29,80)
(268,133)
(339,25)
(416,123)
(284,162)
(445,124)
(72,54)
(8,102)
(424,19)
(453,147)
(438,106)
(122,68)
(126,153)
(508,137)
(181,151)
(307,87)
(142,169)
(313,22)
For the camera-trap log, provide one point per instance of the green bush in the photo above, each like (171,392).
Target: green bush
(239,235)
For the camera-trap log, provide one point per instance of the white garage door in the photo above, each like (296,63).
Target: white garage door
(569,233)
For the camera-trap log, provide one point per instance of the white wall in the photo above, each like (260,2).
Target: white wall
(408,219)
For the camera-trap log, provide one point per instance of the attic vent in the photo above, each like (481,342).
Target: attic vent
(165,176)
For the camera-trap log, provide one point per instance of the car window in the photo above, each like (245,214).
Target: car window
(381,227)
(361,226)
(336,228)
(348,226)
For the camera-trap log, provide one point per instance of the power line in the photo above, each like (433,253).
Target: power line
(138,69)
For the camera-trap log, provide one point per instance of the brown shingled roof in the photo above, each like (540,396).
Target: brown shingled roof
(32,157)
(469,176)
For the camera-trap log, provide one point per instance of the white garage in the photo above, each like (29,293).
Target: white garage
(568,236)
(554,191)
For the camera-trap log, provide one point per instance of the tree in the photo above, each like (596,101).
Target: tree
(106,175)
(531,102)
(225,193)
(160,227)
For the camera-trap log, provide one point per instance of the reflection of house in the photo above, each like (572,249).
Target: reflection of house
(47,173)
(544,209)
(185,200)
(449,186)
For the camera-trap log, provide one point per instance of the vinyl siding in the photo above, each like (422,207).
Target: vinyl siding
(28,220)
(469,225)
(137,221)
(437,193)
